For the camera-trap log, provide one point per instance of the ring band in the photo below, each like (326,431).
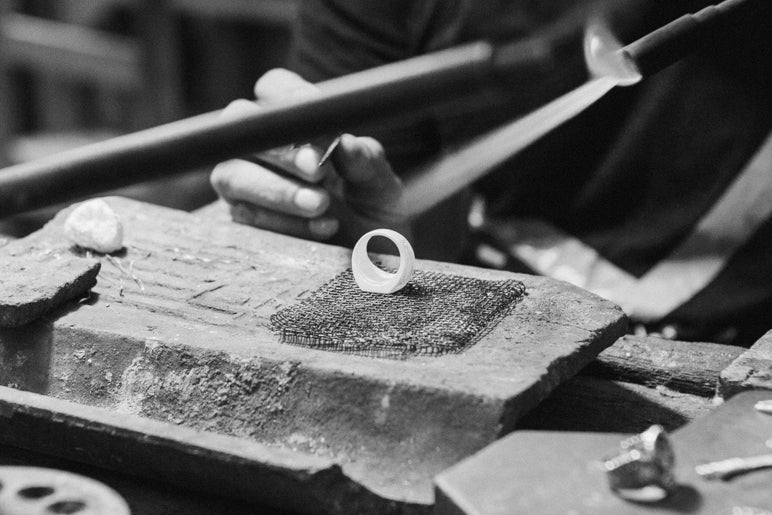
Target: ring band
(643,471)
(371,278)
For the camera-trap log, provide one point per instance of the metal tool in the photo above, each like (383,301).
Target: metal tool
(608,66)
(414,85)
(725,469)
(43,491)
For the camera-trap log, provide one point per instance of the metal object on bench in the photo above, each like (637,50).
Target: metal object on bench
(42,491)
(726,469)
(643,471)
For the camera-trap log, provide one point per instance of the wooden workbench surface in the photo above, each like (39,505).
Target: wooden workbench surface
(177,330)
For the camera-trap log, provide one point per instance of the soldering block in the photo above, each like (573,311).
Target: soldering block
(33,287)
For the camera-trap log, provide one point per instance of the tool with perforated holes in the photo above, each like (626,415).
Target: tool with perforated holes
(42,491)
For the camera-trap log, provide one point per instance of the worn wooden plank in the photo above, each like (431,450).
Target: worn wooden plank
(751,370)
(688,367)
(560,472)
(178,330)
(586,403)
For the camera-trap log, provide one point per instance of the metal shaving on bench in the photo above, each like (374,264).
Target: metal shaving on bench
(434,314)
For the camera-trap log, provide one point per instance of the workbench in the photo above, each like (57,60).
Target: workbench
(170,372)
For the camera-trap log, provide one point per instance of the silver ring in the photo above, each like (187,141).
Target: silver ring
(643,471)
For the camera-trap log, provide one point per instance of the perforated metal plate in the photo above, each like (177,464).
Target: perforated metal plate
(41,491)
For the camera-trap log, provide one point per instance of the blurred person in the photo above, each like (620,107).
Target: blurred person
(659,197)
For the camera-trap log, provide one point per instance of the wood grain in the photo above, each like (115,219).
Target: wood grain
(687,367)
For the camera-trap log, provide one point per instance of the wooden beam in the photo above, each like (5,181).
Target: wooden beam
(687,367)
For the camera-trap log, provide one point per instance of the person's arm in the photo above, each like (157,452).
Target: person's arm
(294,195)
(357,189)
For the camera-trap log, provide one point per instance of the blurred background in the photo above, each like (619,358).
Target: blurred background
(74,72)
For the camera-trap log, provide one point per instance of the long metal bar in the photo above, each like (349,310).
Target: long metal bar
(408,86)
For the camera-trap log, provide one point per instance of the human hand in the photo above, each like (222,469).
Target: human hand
(287,191)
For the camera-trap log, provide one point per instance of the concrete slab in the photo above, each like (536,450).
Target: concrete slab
(177,330)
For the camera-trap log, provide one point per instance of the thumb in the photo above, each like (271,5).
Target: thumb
(370,186)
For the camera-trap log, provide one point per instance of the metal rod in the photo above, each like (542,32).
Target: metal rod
(410,86)
(673,41)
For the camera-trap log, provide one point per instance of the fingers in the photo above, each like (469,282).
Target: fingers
(370,184)
(316,229)
(362,162)
(301,161)
(238,180)
(279,84)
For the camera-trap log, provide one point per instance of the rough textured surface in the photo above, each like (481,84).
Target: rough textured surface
(752,370)
(232,467)
(35,283)
(178,331)
(688,367)
(527,473)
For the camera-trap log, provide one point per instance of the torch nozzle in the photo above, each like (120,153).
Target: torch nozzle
(669,43)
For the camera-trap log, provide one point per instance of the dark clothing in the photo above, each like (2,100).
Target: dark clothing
(633,177)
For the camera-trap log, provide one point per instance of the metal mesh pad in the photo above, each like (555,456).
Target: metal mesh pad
(434,314)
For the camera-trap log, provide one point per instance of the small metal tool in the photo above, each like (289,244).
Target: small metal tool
(728,468)
(328,153)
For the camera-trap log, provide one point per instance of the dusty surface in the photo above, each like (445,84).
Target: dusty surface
(178,331)
(35,283)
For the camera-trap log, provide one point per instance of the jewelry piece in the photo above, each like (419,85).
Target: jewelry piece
(643,472)
(725,469)
(371,278)
(764,406)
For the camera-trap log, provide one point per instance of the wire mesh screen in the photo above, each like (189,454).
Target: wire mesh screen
(434,314)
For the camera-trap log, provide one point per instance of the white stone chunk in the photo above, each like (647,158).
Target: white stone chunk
(94,225)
